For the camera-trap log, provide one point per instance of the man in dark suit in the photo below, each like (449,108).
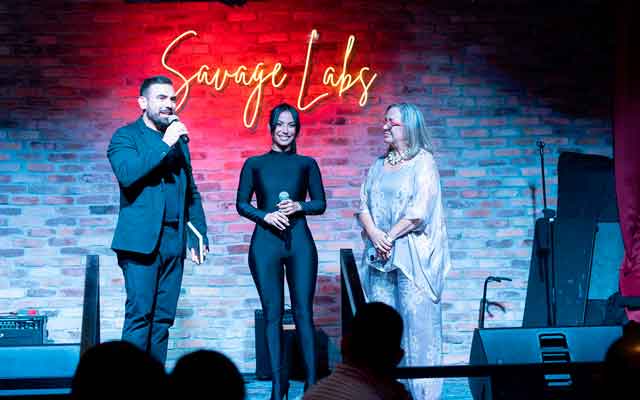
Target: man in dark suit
(158,196)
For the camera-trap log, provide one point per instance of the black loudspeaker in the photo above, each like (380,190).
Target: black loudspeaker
(23,330)
(263,367)
(292,358)
(499,346)
(37,370)
(351,289)
(587,248)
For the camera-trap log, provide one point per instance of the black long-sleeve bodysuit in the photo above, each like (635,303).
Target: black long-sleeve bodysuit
(266,176)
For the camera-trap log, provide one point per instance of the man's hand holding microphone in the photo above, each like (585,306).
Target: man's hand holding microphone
(175,131)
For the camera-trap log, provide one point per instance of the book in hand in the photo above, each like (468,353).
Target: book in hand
(198,243)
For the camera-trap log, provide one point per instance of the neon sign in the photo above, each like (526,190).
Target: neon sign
(260,74)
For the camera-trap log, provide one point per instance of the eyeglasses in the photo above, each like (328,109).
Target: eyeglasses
(391,122)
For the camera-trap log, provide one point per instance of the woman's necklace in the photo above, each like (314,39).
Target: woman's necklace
(395,157)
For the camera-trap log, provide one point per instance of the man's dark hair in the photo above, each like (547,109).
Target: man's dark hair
(154,80)
(376,335)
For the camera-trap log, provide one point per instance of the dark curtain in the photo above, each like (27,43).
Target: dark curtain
(626,128)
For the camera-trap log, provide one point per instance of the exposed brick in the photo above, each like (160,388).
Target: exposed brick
(436,80)
(58,200)
(94,221)
(11,252)
(526,121)
(40,167)
(464,69)
(273,37)
(472,172)
(13,293)
(477,91)
(29,243)
(25,200)
(10,231)
(101,210)
(72,292)
(61,221)
(61,178)
(241,16)
(41,293)
(70,168)
(60,242)
(55,157)
(74,250)
(460,122)
(93,199)
(474,133)
(500,243)
(41,232)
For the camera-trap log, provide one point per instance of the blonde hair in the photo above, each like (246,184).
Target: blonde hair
(415,129)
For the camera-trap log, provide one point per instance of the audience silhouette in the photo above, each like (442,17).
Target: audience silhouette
(206,374)
(116,370)
(370,353)
(622,363)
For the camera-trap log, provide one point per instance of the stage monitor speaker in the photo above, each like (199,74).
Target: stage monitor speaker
(499,346)
(23,330)
(37,370)
(292,357)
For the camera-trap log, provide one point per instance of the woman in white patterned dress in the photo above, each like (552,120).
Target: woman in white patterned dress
(406,255)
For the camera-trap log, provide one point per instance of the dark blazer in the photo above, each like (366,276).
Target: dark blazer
(135,152)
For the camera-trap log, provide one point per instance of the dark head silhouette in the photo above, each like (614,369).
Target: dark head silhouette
(622,362)
(115,370)
(374,341)
(206,371)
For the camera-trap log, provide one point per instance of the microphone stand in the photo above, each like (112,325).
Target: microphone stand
(546,246)
(484,305)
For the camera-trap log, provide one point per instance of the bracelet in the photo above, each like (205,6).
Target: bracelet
(388,238)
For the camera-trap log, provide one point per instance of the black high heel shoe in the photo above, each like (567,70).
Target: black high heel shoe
(284,392)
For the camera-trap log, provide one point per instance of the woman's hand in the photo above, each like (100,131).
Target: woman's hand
(383,255)
(381,241)
(277,219)
(288,207)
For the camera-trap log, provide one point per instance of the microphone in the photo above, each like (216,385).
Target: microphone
(173,118)
(282,196)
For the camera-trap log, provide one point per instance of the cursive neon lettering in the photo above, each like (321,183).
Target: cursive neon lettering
(261,75)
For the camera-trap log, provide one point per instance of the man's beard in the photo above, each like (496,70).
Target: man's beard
(162,123)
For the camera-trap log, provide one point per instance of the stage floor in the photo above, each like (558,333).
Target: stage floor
(454,389)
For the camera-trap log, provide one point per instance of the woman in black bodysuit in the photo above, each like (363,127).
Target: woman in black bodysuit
(281,180)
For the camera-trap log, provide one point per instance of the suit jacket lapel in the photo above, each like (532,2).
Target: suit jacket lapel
(185,151)
(185,175)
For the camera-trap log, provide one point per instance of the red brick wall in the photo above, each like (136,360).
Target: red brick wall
(491,80)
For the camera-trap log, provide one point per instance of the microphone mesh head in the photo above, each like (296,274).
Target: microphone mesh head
(282,196)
